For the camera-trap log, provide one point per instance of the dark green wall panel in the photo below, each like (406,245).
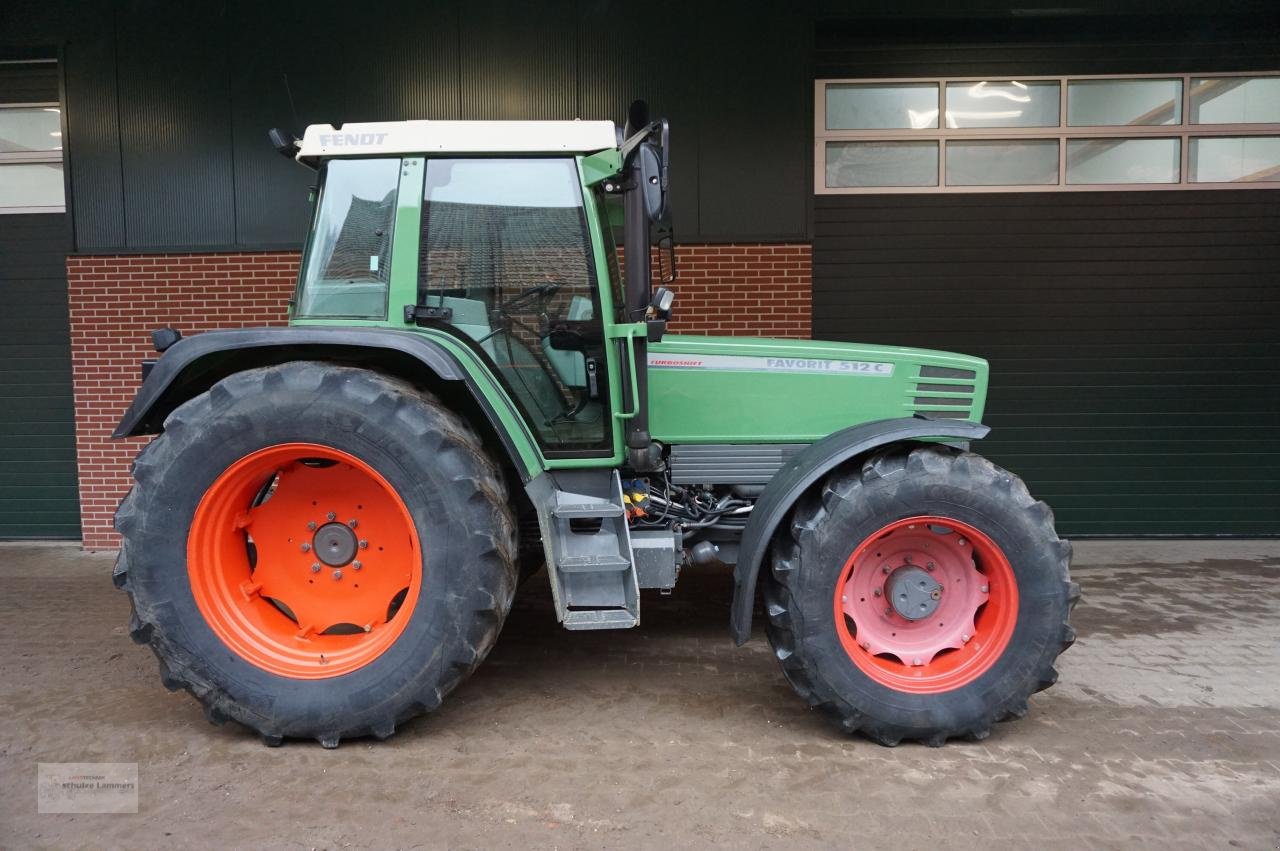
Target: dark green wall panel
(175,128)
(169,103)
(755,92)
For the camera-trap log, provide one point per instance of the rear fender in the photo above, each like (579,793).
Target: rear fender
(193,365)
(800,473)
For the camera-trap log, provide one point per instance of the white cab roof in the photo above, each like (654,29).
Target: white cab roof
(458,137)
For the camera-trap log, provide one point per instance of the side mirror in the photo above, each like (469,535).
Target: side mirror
(286,144)
(653,177)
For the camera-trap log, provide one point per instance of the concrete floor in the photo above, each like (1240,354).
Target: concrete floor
(1164,731)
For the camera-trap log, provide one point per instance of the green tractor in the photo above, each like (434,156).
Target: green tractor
(325,536)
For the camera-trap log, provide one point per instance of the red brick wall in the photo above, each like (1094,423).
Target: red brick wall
(116,300)
(743,290)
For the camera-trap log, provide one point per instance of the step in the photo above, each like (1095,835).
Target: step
(592,564)
(599,619)
(569,511)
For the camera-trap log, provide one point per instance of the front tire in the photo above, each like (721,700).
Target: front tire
(316,551)
(922,595)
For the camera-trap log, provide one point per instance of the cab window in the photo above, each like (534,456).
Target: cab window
(348,265)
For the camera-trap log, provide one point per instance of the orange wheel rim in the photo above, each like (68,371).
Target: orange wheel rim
(926,604)
(304,561)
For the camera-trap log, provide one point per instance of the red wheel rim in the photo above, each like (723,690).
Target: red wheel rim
(955,632)
(304,561)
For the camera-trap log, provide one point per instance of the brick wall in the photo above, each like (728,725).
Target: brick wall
(116,300)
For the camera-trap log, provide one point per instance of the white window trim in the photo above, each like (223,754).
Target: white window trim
(1184,132)
(36,157)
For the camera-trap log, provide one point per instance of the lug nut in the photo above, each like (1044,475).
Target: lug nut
(906,559)
(331,516)
(337,574)
(888,610)
(984,589)
(315,567)
(311,525)
(929,566)
(962,542)
(917,661)
(356,565)
(364,545)
(877,592)
(306,548)
(866,645)
(965,638)
(886,568)
(353,523)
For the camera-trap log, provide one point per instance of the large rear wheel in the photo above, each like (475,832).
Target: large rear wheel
(316,551)
(921,595)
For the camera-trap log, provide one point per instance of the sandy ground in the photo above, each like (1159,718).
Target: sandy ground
(1165,731)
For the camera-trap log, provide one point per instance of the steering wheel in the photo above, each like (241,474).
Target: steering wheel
(543,292)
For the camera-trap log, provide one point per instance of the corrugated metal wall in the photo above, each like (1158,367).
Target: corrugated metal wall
(1133,336)
(169,104)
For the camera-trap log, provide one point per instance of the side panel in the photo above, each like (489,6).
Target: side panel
(742,390)
(803,470)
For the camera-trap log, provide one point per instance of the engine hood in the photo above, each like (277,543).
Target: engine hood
(763,390)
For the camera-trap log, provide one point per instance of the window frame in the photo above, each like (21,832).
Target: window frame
(1184,132)
(37,158)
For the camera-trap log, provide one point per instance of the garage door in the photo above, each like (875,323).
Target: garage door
(1134,339)
(38,496)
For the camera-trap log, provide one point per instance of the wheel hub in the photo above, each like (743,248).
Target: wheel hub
(913,593)
(283,575)
(335,544)
(934,588)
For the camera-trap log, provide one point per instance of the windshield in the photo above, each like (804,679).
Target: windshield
(348,264)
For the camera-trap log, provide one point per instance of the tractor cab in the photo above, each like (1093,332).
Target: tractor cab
(500,234)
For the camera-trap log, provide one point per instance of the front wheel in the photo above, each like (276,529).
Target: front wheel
(316,551)
(923,595)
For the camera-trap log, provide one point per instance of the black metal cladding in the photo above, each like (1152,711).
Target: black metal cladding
(169,104)
(36,82)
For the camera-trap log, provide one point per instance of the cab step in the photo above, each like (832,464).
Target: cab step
(599,619)
(590,565)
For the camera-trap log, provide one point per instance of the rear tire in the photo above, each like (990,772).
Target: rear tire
(447,530)
(850,654)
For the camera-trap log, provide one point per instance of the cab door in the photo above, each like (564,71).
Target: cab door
(506,261)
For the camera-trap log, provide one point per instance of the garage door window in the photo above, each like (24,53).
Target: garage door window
(1047,134)
(31,158)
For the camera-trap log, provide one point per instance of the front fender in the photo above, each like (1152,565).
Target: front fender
(804,469)
(194,364)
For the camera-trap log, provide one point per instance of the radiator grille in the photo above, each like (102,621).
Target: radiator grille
(943,391)
(729,463)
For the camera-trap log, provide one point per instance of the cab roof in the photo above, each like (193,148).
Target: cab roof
(457,137)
